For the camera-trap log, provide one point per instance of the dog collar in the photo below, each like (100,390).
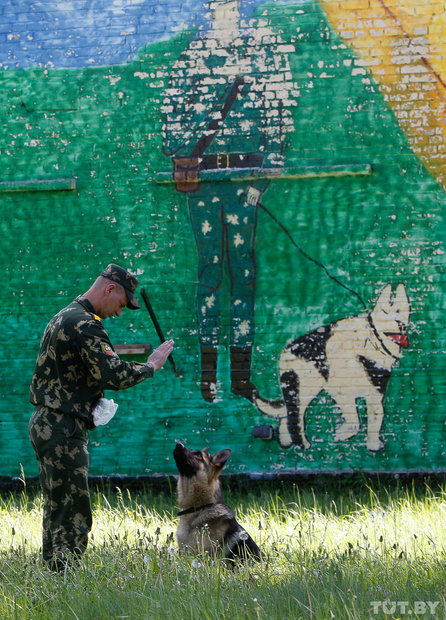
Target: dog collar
(375,331)
(195,509)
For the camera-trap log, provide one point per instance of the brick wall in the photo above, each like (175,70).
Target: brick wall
(307,270)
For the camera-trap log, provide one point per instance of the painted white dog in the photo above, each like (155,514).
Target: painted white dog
(350,359)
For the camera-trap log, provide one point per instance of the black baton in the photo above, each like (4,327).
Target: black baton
(158,328)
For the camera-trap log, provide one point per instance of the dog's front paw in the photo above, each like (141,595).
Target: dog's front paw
(283,435)
(287,438)
(374,444)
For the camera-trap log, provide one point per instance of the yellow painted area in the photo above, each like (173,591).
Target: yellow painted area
(402,43)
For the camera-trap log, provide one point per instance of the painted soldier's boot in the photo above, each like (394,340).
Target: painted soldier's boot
(241,372)
(209,373)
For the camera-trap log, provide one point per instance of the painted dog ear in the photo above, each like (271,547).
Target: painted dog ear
(384,296)
(219,459)
(401,303)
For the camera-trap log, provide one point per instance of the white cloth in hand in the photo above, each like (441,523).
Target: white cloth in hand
(104,411)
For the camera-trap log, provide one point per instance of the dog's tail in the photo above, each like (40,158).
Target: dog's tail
(271,408)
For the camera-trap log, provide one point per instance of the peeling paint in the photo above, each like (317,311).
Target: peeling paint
(265,272)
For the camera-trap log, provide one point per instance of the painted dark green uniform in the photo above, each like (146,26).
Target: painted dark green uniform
(223,221)
(226,128)
(75,365)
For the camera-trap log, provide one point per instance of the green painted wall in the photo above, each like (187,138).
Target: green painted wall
(103,127)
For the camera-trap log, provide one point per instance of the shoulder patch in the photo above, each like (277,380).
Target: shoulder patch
(106,348)
(98,318)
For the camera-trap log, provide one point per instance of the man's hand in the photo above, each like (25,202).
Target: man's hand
(253,196)
(159,355)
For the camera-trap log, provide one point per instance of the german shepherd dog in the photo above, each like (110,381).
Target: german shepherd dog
(350,359)
(207,524)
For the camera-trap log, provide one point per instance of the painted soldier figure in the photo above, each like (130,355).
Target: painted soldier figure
(226,111)
(76,363)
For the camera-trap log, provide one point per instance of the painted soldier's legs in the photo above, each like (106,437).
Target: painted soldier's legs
(224,226)
(240,238)
(240,228)
(60,443)
(207,223)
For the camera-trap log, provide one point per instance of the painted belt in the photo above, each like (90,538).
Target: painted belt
(231,160)
(186,173)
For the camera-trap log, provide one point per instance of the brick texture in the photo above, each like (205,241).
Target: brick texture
(345,104)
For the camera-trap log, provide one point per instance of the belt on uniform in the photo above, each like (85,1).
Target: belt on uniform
(231,160)
(186,172)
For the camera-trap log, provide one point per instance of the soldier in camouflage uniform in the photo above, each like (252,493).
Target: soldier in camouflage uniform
(76,364)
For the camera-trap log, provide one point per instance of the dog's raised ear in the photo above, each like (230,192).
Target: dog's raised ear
(401,303)
(219,459)
(384,297)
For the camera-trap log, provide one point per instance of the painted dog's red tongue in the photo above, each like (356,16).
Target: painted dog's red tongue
(401,339)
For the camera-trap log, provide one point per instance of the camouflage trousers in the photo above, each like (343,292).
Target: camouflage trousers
(60,443)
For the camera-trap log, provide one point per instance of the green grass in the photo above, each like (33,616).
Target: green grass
(333,547)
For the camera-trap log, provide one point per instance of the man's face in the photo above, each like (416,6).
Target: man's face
(115,300)
(226,14)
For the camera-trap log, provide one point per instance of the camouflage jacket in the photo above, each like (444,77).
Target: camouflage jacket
(77,363)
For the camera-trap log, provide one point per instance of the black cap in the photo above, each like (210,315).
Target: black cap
(117,274)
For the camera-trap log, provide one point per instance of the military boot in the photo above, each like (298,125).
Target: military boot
(209,373)
(241,372)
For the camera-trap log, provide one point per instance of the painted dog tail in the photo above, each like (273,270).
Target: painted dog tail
(271,408)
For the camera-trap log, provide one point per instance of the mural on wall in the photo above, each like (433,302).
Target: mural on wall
(273,172)
(411,73)
(350,359)
(227,108)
